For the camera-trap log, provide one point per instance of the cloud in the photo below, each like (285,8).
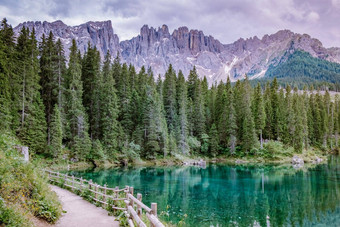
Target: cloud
(226,20)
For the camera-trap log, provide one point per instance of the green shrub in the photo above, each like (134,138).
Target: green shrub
(24,187)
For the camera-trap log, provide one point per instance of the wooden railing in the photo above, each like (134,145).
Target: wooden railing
(133,208)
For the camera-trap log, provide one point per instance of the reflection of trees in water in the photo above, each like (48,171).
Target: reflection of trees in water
(235,194)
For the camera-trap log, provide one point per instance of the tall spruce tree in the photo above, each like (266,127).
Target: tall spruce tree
(248,127)
(169,99)
(56,133)
(109,111)
(32,129)
(78,136)
(49,78)
(182,115)
(92,80)
(214,141)
(7,76)
(5,98)
(259,112)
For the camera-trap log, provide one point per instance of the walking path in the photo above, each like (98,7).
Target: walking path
(80,212)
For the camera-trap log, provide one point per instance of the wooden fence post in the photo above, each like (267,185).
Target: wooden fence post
(116,192)
(139,209)
(90,184)
(72,182)
(96,190)
(154,208)
(81,184)
(65,179)
(104,197)
(127,192)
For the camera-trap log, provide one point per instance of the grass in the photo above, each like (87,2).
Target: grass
(24,190)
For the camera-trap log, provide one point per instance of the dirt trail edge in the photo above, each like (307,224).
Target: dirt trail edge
(80,212)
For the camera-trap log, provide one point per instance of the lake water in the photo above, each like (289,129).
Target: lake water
(226,195)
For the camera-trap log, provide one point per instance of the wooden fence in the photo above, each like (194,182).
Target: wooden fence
(133,208)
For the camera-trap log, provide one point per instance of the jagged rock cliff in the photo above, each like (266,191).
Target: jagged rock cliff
(185,48)
(99,34)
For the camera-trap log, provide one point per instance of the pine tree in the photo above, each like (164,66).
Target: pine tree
(60,67)
(169,99)
(198,119)
(128,99)
(5,98)
(78,137)
(227,120)
(290,117)
(49,78)
(268,132)
(56,133)
(259,112)
(109,111)
(33,125)
(182,115)
(214,147)
(298,133)
(275,108)
(7,62)
(92,80)
(150,130)
(248,127)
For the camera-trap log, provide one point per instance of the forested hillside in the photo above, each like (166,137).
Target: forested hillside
(87,110)
(301,69)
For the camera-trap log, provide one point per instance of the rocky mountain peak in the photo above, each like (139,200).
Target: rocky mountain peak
(97,33)
(185,48)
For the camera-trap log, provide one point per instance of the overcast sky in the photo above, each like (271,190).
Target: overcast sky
(226,20)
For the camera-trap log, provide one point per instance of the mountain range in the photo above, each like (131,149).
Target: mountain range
(185,48)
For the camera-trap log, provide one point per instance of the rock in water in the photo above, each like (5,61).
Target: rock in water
(297,162)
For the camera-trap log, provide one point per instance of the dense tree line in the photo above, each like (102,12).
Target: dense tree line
(108,111)
(302,69)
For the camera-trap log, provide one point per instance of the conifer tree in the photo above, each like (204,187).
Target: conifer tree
(5,98)
(214,147)
(49,78)
(182,114)
(92,80)
(169,99)
(192,83)
(290,117)
(33,125)
(7,76)
(269,113)
(198,119)
(109,111)
(275,108)
(227,121)
(78,137)
(248,127)
(56,133)
(259,112)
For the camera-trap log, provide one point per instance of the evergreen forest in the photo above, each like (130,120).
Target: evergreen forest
(86,110)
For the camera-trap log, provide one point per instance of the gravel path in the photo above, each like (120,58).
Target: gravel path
(80,212)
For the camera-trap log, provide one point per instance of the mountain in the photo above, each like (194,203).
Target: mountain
(99,34)
(184,48)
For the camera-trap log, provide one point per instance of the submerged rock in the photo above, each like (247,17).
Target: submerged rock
(297,162)
(238,161)
(317,160)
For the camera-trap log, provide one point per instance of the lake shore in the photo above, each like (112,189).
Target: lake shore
(308,157)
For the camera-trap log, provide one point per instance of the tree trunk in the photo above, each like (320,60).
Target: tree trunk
(261,139)
(23,99)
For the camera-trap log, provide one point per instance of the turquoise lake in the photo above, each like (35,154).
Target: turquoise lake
(227,195)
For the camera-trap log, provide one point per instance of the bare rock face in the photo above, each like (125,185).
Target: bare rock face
(185,48)
(98,34)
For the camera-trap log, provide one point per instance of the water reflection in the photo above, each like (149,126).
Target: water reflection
(222,195)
